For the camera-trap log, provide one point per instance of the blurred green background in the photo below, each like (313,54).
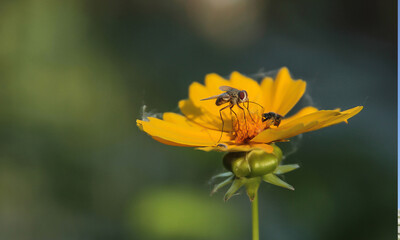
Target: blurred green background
(75,74)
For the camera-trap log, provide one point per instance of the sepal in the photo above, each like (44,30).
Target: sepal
(252,185)
(286,168)
(249,169)
(236,185)
(222,184)
(273,179)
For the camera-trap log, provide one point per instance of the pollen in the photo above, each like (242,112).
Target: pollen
(248,125)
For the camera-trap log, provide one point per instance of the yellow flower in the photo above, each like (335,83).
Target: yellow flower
(200,125)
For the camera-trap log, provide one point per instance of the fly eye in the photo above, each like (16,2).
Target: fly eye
(242,95)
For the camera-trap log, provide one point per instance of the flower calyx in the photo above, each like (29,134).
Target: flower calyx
(249,169)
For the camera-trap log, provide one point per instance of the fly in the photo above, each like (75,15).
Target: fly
(233,97)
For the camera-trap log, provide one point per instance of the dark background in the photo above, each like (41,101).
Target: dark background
(75,74)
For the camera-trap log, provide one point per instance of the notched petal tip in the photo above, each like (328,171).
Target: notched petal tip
(139,124)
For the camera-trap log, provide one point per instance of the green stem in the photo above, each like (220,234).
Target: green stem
(254,211)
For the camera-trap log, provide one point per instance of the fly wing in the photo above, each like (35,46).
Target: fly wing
(226,88)
(213,97)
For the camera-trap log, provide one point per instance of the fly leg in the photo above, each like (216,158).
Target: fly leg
(257,104)
(247,107)
(232,119)
(248,104)
(220,114)
(244,116)
(237,119)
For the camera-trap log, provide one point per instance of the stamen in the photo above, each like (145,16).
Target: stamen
(247,126)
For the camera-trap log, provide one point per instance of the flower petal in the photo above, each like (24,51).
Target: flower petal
(177,130)
(206,112)
(203,117)
(305,123)
(238,148)
(283,94)
(340,118)
(197,92)
(302,112)
(276,134)
(170,143)
(267,86)
(252,87)
(213,81)
(319,116)
(324,117)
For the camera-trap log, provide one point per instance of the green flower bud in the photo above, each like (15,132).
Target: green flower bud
(262,163)
(248,169)
(237,163)
(278,153)
(252,164)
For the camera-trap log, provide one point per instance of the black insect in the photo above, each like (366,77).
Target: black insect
(273,117)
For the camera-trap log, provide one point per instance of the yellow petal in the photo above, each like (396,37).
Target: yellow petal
(176,119)
(276,134)
(266,147)
(179,120)
(267,90)
(302,112)
(343,117)
(166,142)
(197,92)
(176,130)
(305,123)
(203,117)
(213,82)
(207,113)
(285,93)
(254,92)
(324,118)
(252,87)
(238,148)
(319,116)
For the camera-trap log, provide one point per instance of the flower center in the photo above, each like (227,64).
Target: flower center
(247,125)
